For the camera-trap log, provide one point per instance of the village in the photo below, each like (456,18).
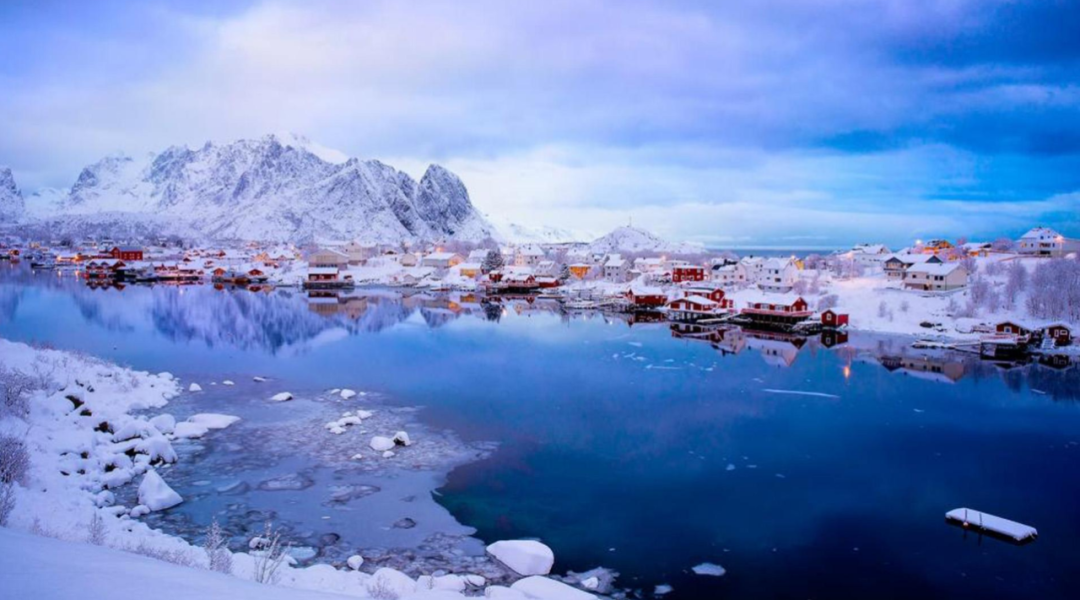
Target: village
(983,297)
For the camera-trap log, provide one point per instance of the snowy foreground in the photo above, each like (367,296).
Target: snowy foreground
(92,427)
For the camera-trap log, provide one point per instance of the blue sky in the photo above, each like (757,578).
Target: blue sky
(766,122)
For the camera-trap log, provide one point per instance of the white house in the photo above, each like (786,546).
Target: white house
(755,267)
(870,255)
(442,260)
(616,269)
(1043,241)
(896,265)
(936,277)
(729,275)
(528,255)
(328,258)
(778,275)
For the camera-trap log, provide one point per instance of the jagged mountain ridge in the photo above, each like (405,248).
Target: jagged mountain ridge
(11,199)
(270,189)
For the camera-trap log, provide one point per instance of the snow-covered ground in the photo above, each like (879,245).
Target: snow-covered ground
(92,430)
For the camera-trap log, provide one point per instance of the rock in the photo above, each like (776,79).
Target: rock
(258,379)
(155,494)
(139,511)
(405,523)
(288,482)
(710,569)
(165,423)
(402,439)
(542,588)
(591,583)
(358,457)
(194,388)
(355,562)
(380,443)
(389,583)
(282,397)
(227,382)
(347,393)
(476,580)
(388,454)
(524,557)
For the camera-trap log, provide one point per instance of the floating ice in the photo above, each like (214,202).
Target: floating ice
(347,393)
(227,382)
(709,569)
(194,388)
(282,397)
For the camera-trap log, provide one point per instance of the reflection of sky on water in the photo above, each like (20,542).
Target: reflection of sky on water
(618,436)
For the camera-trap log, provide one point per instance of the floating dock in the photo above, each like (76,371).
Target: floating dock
(984,522)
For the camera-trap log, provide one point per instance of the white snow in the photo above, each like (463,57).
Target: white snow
(709,569)
(155,494)
(347,393)
(227,382)
(381,443)
(542,588)
(194,388)
(355,562)
(281,397)
(524,557)
(800,393)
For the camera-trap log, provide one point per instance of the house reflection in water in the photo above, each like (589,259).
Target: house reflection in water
(776,348)
(930,367)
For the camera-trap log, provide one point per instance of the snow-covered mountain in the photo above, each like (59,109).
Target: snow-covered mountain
(517,233)
(11,200)
(632,239)
(269,189)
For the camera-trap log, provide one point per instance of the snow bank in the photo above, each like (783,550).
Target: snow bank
(542,588)
(524,557)
(155,494)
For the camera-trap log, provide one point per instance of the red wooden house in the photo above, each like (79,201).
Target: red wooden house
(777,308)
(647,297)
(1012,328)
(831,318)
(128,253)
(1060,333)
(687,273)
(712,293)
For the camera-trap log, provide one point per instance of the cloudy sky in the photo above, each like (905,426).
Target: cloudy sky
(765,122)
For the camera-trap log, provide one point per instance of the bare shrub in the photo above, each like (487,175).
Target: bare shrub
(217,551)
(15,388)
(269,554)
(7,502)
(96,532)
(176,557)
(14,460)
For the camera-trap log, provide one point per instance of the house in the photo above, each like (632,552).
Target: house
(1012,328)
(778,275)
(690,308)
(616,269)
(442,260)
(712,293)
(528,255)
(547,268)
(408,259)
(357,254)
(936,277)
(687,273)
(937,247)
(976,249)
(1060,333)
(1043,241)
(477,256)
(784,309)
(651,264)
(646,297)
(128,253)
(831,318)
(729,275)
(897,264)
(754,266)
(579,270)
(471,270)
(104,268)
(326,277)
(870,255)
(328,258)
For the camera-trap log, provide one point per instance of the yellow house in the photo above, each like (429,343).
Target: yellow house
(579,270)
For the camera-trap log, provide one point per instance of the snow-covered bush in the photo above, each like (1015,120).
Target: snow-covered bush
(1016,278)
(217,551)
(269,554)
(905,306)
(979,288)
(176,557)
(96,532)
(882,310)
(14,460)
(15,388)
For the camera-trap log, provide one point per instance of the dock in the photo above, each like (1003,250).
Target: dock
(972,519)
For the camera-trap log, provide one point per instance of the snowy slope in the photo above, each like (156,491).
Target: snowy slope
(518,233)
(11,200)
(632,239)
(270,190)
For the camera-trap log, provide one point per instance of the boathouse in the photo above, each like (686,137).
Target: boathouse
(831,318)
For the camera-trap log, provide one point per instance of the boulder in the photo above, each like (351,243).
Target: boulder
(155,494)
(524,557)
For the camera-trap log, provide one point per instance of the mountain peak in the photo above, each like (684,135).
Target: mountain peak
(12,205)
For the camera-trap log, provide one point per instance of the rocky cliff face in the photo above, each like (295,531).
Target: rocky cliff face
(12,206)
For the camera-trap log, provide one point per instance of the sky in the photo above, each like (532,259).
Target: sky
(792,123)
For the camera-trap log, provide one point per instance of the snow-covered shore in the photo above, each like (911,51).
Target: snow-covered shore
(94,428)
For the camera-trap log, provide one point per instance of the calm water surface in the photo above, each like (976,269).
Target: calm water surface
(627,447)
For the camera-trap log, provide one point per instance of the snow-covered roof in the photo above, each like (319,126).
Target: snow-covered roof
(440,256)
(698,300)
(1040,233)
(469,266)
(935,268)
(767,298)
(322,271)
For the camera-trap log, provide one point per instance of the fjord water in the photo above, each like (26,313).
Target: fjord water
(626,447)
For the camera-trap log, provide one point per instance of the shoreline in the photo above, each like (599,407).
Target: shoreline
(88,413)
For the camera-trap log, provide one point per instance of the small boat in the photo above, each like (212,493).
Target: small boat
(996,526)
